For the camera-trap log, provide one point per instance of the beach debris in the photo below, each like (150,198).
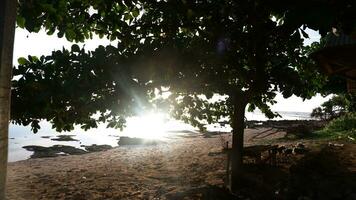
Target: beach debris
(288,151)
(280,149)
(335,145)
(300,149)
(300,145)
(350,138)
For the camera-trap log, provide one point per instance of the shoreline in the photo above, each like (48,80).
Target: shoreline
(39,151)
(189,165)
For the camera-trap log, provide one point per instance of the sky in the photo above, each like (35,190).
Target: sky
(37,44)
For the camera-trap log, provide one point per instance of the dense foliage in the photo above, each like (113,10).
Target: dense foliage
(343,127)
(71,86)
(234,49)
(335,107)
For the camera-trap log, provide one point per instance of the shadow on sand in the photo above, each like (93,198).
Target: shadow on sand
(323,174)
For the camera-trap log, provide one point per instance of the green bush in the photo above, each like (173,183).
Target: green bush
(346,122)
(342,127)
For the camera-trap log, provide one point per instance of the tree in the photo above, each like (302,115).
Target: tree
(7,30)
(335,107)
(233,49)
(245,51)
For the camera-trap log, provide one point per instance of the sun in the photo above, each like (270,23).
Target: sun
(150,126)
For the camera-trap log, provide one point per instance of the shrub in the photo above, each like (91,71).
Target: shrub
(342,127)
(346,122)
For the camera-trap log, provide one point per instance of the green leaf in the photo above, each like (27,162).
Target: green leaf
(51,31)
(22,61)
(135,12)
(33,59)
(128,16)
(20,21)
(70,34)
(75,48)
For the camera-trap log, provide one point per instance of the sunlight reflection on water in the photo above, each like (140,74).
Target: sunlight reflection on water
(22,136)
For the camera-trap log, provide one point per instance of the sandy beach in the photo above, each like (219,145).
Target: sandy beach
(171,170)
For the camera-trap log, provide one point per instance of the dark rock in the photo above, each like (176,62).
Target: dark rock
(68,149)
(53,151)
(41,152)
(35,148)
(137,141)
(300,128)
(64,138)
(96,148)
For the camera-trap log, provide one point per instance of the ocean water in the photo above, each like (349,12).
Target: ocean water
(285,115)
(20,136)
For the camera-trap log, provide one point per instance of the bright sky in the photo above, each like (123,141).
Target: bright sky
(38,44)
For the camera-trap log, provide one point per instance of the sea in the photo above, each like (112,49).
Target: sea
(20,136)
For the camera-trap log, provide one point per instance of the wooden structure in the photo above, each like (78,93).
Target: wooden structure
(338,57)
(256,153)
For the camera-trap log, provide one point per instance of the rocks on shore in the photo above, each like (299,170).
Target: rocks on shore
(137,141)
(63,150)
(96,148)
(64,138)
(299,128)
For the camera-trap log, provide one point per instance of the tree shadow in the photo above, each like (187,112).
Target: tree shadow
(265,133)
(207,193)
(322,175)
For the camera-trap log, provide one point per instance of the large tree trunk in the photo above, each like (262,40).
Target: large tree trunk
(7,33)
(238,126)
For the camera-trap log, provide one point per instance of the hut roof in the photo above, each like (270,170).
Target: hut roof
(338,55)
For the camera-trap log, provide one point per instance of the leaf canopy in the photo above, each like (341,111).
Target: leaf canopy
(237,49)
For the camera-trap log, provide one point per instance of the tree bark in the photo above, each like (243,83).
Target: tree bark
(238,126)
(7,34)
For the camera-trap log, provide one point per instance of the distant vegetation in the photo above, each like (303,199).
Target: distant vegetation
(340,112)
(334,107)
(343,127)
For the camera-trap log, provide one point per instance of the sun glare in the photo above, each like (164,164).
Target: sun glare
(150,126)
